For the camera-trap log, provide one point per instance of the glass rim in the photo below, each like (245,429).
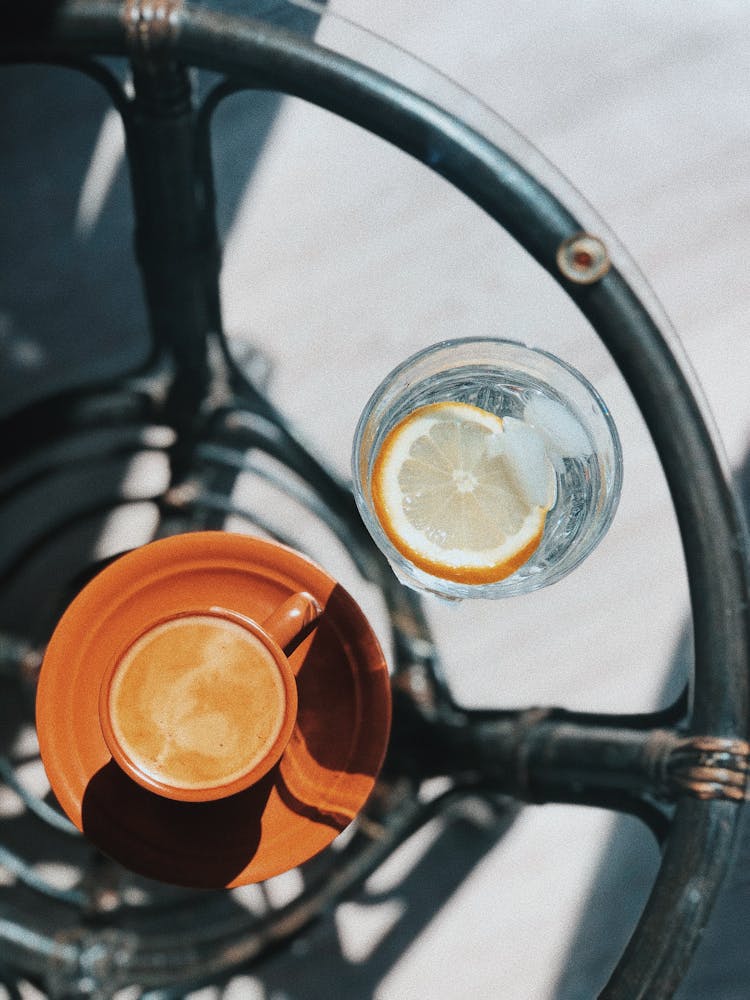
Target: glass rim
(506,587)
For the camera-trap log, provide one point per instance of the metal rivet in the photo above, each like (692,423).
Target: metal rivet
(583,258)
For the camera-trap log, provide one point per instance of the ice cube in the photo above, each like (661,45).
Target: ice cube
(563,434)
(526,449)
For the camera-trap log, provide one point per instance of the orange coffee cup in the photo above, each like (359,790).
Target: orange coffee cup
(202,703)
(229,600)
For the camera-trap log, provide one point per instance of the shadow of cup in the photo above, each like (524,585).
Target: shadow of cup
(202,845)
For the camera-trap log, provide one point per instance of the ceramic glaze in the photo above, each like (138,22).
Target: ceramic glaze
(303,792)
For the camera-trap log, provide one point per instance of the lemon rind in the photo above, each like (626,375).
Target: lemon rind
(458,565)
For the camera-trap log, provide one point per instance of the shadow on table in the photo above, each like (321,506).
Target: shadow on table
(721,967)
(71,306)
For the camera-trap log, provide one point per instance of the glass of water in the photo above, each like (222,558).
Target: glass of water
(485,468)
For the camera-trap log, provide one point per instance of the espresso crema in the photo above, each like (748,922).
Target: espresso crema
(197,702)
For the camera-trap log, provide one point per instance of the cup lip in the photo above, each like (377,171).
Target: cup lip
(412,575)
(225,789)
(454,344)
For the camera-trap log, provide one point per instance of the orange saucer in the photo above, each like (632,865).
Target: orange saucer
(327,770)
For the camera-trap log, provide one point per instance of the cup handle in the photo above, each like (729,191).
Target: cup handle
(293,620)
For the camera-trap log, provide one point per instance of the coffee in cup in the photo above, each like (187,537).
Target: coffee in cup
(202,704)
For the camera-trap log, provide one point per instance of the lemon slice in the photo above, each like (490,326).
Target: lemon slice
(460,495)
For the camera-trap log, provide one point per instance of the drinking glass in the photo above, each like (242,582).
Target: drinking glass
(530,385)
